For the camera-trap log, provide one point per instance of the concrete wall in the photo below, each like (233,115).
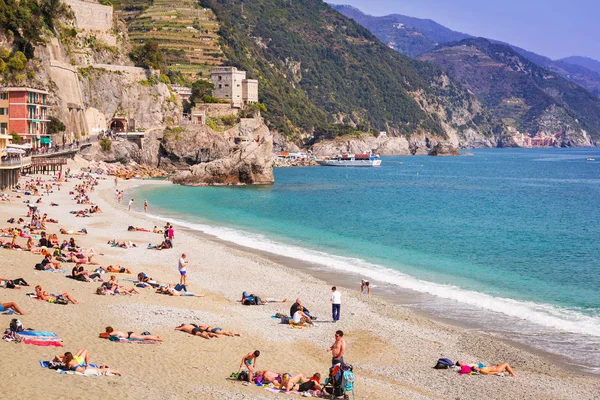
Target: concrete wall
(214,110)
(91,16)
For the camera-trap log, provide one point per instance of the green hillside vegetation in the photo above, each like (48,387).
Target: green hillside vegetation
(324,73)
(516,88)
(185,32)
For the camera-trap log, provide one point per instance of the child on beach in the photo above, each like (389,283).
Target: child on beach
(249,361)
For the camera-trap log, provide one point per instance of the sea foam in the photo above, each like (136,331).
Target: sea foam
(567,320)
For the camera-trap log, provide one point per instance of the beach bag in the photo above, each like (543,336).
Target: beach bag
(61,300)
(443,363)
(243,376)
(348,381)
(39,267)
(16,325)
(285,320)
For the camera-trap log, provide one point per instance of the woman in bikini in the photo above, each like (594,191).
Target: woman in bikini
(129,335)
(117,269)
(50,298)
(491,369)
(195,330)
(78,363)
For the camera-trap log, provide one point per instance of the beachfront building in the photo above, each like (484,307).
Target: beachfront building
(12,160)
(183,92)
(231,84)
(25,111)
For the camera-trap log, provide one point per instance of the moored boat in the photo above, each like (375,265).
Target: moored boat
(352,160)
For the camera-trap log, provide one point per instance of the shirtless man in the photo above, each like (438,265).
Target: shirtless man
(269,377)
(129,335)
(218,331)
(117,269)
(195,330)
(338,349)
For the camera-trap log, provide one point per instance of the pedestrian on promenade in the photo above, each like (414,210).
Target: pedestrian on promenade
(336,301)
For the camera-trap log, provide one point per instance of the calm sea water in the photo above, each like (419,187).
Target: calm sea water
(506,238)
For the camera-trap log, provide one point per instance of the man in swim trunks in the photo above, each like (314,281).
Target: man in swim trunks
(117,269)
(182,265)
(195,330)
(338,348)
(218,331)
(50,298)
(129,335)
(249,361)
(11,306)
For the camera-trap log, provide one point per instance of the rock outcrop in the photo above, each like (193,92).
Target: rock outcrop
(240,155)
(443,149)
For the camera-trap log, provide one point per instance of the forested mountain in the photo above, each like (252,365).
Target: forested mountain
(525,95)
(585,62)
(415,37)
(322,73)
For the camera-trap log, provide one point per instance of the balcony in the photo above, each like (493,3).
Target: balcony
(15,162)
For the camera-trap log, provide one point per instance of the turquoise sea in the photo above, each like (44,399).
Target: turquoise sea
(507,240)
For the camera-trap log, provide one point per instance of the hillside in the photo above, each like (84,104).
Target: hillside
(415,37)
(323,74)
(526,96)
(185,32)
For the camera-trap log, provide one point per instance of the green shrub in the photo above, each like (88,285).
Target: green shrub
(229,120)
(164,79)
(16,138)
(105,144)
(2,66)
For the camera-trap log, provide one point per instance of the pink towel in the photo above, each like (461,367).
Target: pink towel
(42,343)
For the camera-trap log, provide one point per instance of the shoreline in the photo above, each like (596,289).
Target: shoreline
(389,294)
(392,349)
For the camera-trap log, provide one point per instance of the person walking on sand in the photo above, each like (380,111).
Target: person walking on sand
(182,269)
(337,349)
(249,361)
(116,180)
(130,203)
(145,205)
(336,301)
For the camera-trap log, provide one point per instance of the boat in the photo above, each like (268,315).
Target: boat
(590,159)
(352,160)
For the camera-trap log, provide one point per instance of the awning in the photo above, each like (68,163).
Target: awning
(10,150)
(45,140)
(26,146)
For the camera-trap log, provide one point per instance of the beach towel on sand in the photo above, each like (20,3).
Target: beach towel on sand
(44,339)
(37,333)
(52,365)
(132,341)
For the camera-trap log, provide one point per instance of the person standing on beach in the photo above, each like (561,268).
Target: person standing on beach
(116,180)
(145,205)
(170,233)
(130,203)
(338,348)
(336,302)
(365,287)
(182,269)
(249,361)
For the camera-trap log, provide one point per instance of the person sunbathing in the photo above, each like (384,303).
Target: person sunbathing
(49,264)
(71,232)
(291,383)
(117,269)
(165,245)
(251,299)
(81,357)
(51,298)
(195,330)
(109,331)
(218,331)
(75,364)
(269,377)
(13,283)
(113,284)
(300,317)
(80,274)
(491,369)
(134,229)
(105,290)
(11,306)
(178,290)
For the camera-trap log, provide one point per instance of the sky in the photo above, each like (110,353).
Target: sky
(553,28)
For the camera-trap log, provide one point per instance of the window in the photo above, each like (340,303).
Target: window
(220,86)
(220,77)
(226,85)
(3,96)
(3,111)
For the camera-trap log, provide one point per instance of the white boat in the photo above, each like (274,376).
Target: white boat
(352,160)
(590,159)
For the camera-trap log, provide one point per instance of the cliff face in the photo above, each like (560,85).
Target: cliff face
(240,155)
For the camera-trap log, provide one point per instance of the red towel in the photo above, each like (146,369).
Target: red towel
(42,343)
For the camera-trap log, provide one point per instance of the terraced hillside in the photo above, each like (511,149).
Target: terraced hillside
(186,32)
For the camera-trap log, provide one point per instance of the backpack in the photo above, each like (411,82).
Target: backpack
(443,363)
(243,376)
(348,381)
(16,325)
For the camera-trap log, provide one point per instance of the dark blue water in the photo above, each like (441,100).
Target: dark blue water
(514,232)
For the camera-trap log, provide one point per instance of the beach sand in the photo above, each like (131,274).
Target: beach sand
(391,348)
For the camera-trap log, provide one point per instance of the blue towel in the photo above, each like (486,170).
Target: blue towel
(37,333)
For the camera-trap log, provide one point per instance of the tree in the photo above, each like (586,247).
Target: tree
(149,55)
(201,88)
(55,126)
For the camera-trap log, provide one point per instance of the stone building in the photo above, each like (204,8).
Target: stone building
(231,84)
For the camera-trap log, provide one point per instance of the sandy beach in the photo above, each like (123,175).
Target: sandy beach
(391,348)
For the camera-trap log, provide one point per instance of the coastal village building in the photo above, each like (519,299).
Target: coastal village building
(183,92)
(25,111)
(231,84)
